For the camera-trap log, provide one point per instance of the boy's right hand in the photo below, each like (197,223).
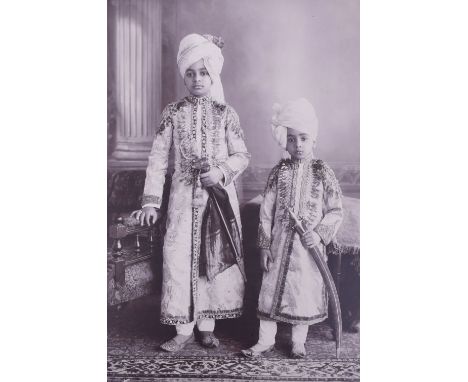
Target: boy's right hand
(265,259)
(146,215)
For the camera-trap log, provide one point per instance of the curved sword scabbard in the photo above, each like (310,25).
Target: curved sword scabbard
(225,226)
(332,292)
(329,284)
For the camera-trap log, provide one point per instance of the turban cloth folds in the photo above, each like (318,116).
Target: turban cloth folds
(298,115)
(195,47)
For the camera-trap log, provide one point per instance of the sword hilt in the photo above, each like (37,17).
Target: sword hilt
(297,223)
(201,164)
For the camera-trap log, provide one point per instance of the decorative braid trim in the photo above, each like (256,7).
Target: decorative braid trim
(326,232)
(272,179)
(214,314)
(174,320)
(324,172)
(263,239)
(166,118)
(232,120)
(229,173)
(146,199)
(220,314)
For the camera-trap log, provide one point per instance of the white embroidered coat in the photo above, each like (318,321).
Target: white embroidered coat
(196,128)
(293,290)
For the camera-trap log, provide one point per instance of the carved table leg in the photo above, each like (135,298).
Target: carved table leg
(119,263)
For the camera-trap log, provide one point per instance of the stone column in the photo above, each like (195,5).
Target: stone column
(135,62)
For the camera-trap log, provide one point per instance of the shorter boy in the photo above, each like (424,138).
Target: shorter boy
(292,289)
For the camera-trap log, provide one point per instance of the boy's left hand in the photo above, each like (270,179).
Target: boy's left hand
(311,238)
(212,177)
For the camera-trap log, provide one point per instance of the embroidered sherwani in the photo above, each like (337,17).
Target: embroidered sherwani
(293,290)
(197,128)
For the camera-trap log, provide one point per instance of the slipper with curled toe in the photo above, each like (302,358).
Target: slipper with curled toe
(298,350)
(256,351)
(177,343)
(208,339)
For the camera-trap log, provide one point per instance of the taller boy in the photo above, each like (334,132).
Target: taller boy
(197,288)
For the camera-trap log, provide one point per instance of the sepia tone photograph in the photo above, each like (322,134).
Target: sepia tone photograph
(229,148)
(233,190)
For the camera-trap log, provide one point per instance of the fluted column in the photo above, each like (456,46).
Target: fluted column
(136,55)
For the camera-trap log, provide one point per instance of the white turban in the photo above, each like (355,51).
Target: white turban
(298,115)
(195,47)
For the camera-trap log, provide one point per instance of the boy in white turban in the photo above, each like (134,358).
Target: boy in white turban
(202,279)
(292,289)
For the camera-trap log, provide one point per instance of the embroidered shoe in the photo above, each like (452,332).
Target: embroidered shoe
(297,350)
(177,343)
(208,339)
(257,351)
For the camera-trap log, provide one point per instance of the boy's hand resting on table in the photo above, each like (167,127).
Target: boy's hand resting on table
(146,215)
(212,177)
(265,259)
(311,238)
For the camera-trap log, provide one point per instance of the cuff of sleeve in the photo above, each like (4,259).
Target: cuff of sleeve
(263,240)
(325,233)
(151,201)
(227,172)
(151,205)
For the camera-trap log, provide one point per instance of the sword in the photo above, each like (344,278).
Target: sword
(203,166)
(226,230)
(328,279)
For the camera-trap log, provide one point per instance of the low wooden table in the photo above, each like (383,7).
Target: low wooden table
(133,260)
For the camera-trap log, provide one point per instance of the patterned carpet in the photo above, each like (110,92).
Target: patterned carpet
(144,368)
(134,336)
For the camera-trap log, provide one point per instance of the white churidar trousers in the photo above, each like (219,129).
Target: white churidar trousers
(204,325)
(267,333)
